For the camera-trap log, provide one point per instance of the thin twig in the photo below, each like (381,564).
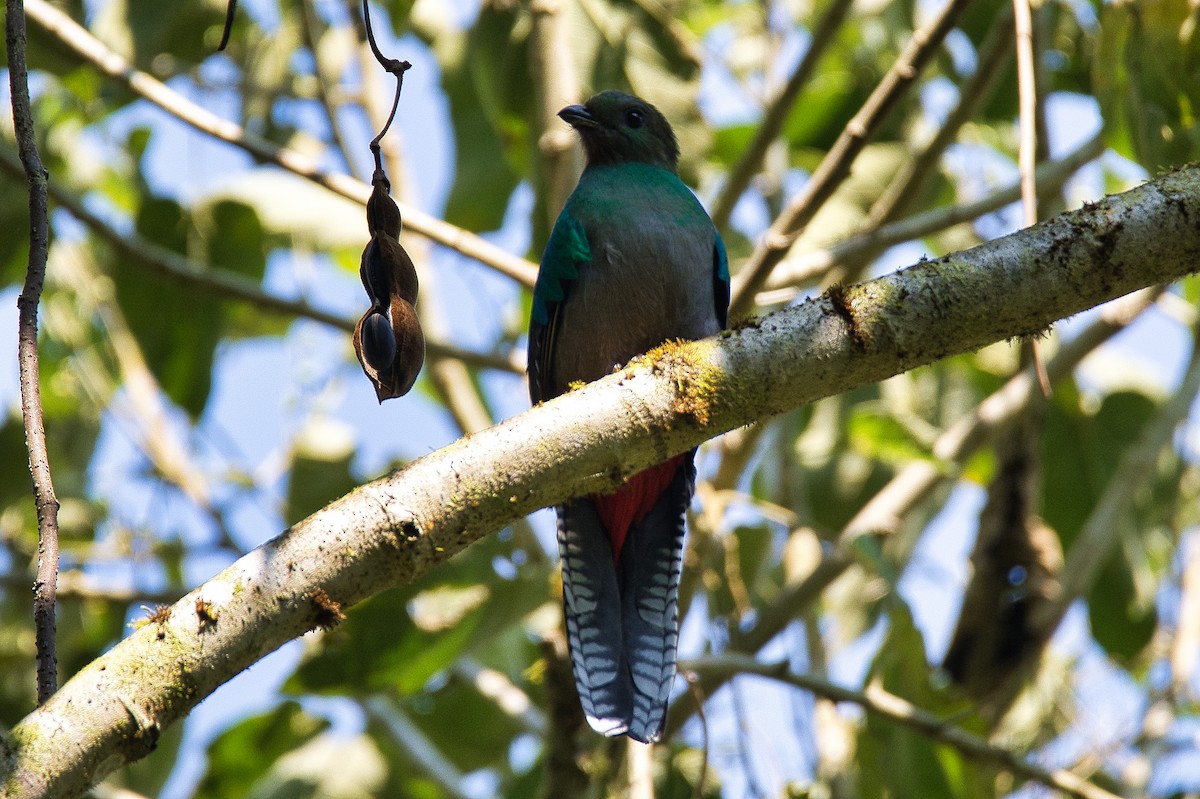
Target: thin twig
(1027,150)
(834,168)
(157,438)
(973,92)
(777,110)
(115,66)
(809,267)
(230,13)
(877,701)
(1027,104)
(27,354)
(391,66)
(308,30)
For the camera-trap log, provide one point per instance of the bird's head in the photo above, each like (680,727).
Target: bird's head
(617,128)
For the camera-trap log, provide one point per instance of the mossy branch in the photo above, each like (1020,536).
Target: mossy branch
(390,531)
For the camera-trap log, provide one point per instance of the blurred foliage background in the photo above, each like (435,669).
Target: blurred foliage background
(201,392)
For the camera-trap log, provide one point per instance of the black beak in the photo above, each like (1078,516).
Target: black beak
(577,116)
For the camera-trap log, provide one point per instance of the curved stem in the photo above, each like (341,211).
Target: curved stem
(27,353)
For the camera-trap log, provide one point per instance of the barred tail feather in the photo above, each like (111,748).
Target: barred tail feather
(592,608)
(648,577)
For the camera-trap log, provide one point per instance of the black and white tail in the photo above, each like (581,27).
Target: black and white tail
(623,618)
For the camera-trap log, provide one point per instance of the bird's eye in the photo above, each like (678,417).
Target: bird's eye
(634,118)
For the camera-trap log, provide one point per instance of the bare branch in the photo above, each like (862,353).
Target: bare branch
(877,701)
(972,94)
(27,354)
(309,30)
(807,267)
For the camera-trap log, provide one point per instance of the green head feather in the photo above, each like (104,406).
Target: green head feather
(617,128)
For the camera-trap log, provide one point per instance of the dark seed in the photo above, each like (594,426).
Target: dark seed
(378,342)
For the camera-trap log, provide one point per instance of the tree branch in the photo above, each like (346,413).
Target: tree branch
(27,354)
(88,47)
(973,93)
(229,284)
(773,245)
(881,514)
(879,702)
(390,531)
(807,267)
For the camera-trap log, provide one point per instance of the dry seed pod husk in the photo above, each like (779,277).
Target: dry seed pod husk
(397,377)
(383,215)
(387,271)
(388,339)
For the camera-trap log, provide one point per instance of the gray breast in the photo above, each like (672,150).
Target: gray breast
(645,284)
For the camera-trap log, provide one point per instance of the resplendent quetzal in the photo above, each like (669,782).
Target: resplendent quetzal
(633,261)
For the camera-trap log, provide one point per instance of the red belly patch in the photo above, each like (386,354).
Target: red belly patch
(630,503)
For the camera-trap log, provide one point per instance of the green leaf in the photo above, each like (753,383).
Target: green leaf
(878,434)
(177,326)
(488,137)
(320,470)
(730,142)
(177,329)
(1120,623)
(240,756)
(832,97)
(141,30)
(479,744)
(1081,453)
(295,212)
(1147,79)
(916,765)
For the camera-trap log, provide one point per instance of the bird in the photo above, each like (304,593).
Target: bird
(632,261)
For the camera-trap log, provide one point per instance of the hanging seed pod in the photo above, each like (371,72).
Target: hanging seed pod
(388,338)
